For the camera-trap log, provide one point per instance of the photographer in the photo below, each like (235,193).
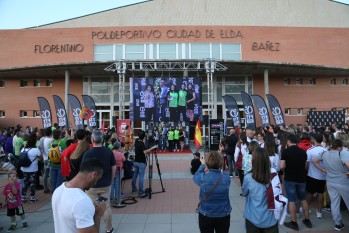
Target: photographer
(140,164)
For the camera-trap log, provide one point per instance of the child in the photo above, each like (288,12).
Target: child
(13,201)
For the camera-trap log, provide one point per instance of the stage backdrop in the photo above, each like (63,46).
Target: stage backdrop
(324,118)
(153,101)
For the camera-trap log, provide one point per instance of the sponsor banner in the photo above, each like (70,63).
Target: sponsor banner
(216,133)
(249,111)
(231,105)
(45,112)
(323,118)
(76,110)
(262,110)
(276,110)
(90,104)
(61,113)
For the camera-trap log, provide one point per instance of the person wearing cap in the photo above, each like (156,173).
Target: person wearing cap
(119,158)
(195,163)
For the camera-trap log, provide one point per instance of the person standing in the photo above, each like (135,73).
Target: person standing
(173,103)
(163,99)
(73,210)
(191,97)
(214,206)
(231,141)
(55,168)
(140,164)
(258,217)
(46,143)
(120,159)
(182,103)
(176,139)
(170,139)
(149,104)
(293,162)
(335,166)
(102,187)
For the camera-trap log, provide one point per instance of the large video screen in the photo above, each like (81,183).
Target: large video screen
(166,99)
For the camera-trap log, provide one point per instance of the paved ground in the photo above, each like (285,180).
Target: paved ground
(171,211)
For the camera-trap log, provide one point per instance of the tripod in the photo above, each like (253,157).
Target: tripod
(150,171)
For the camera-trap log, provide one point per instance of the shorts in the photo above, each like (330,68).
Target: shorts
(315,185)
(295,191)
(15,211)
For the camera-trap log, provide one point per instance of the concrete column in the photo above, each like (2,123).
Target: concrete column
(66,92)
(266,81)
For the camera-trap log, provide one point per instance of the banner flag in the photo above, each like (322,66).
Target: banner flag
(90,104)
(249,112)
(262,110)
(231,105)
(61,113)
(76,110)
(45,112)
(197,136)
(276,110)
(122,132)
(86,113)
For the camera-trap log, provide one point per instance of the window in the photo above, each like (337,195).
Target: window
(298,81)
(287,111)
(2,83)
(23,113)
(312,109)
(23,83)
(49,83)
(345,81)
(333,81)
(312,81)
(2,113)
(134,51)
(231,52)
(299,111)
(200,51)
(36,113)
(167,51)
(103,52)
(36,83)
(286,81)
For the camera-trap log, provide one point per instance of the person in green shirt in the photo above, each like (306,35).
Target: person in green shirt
(19,143)
(182,103)
(172,98)
(170,137)
(176,139)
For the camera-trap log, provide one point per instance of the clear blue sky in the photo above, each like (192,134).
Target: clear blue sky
(16,14)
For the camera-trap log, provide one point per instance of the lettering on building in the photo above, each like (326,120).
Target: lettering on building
(59,48)
(267,46)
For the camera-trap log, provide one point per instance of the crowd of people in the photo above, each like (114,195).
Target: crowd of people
(310,164)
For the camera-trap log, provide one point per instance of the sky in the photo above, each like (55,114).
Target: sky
(18,14)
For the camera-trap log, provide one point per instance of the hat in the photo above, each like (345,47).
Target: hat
(116,145)
(197,154)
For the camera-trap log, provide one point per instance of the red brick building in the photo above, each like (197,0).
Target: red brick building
(296,50)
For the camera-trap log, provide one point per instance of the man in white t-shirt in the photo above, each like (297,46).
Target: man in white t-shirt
(316,180)
(45,147)
(73,210)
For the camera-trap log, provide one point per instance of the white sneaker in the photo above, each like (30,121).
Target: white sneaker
(318,215)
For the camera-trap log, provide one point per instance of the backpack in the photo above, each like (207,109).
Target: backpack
(54,154)
(24,160)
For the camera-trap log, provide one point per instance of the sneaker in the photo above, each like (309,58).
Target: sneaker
(23,199)
(292,225)
(307,223)
(327,209)
(33,199)
(301,211)
(25,225)
(318,215)
(111,230)
(339,227)
(143,195)
(11,228)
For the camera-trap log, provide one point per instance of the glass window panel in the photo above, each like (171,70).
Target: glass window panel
(127,97)
(200,47)
(231,56)
(134,48)
(100,80)
(167,56)
(237,97)
(135,56)
(234,88)
(101,98)
(85,86)
(235,80)
(219,92)
(216,51)
(204,97)
(100,90)
(107,48)
(179,51)
(167,48)
(230,48)
(118,52)
(103,57)
(204,88)
(200,55)
(187,50)
(116,92)
(250,85)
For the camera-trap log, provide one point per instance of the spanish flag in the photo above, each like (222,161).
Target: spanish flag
(86,113)
(197,136)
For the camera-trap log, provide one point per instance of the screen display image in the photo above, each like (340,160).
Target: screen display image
(166,99)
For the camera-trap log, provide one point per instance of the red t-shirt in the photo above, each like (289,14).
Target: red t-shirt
(13,200)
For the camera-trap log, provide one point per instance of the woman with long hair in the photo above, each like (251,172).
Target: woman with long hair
(173,103)
(149,103)
(191,97)
(241,150)
(258,217)
(271,147)
(214,206)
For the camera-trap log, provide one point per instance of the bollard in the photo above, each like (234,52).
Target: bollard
(119,203)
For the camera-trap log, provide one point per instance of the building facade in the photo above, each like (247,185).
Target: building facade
(295,50)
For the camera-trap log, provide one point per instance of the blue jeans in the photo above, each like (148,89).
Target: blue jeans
(115,186)
(56,177)
(295,191)
(139,171)
(46,174)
